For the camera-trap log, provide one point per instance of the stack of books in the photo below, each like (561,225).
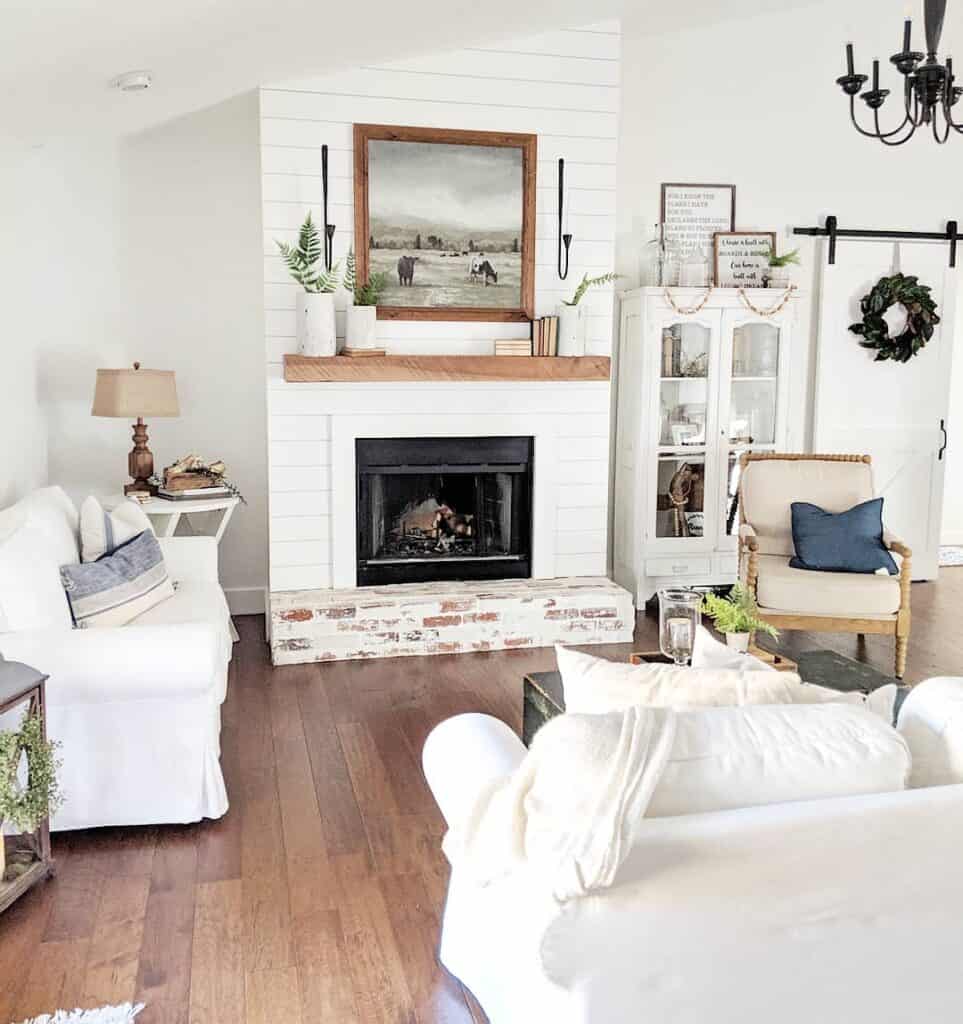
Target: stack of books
(193,493)
(513,347)
(545,336)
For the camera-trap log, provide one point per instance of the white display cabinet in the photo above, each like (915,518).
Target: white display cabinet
(696,390)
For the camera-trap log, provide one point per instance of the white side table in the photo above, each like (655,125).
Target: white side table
(165,515)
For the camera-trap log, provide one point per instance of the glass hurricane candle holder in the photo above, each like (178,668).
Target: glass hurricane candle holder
(679,614)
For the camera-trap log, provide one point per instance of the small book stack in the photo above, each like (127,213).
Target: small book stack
(193,493)
(513,347)
(545,336)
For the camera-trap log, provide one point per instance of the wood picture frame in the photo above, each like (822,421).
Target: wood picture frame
(748,248)
(515,311)
(694,230)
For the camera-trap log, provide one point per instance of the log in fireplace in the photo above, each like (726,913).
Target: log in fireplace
(433,508)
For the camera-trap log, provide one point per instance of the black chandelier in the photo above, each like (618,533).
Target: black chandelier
(929,88)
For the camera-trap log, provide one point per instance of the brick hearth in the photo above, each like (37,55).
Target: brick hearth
(446,618)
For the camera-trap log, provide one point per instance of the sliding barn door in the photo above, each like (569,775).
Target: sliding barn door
(894,412)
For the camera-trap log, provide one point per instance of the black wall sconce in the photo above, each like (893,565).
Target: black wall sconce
(328,228)
(565,239)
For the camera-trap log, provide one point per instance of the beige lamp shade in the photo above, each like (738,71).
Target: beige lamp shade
(135,393)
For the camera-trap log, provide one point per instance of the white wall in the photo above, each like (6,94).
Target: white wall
(753,101)
(193,283)
(59,316)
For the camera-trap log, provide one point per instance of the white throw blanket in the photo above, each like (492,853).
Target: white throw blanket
(568,819)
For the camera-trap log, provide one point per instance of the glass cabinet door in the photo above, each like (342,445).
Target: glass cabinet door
(686,419)
(751,410)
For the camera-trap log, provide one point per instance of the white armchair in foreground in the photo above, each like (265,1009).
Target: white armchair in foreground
(842,911)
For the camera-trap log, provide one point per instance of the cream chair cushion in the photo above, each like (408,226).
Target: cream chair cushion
(770,486)
(806,592)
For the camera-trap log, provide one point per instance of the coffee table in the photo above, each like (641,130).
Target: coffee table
(543,696)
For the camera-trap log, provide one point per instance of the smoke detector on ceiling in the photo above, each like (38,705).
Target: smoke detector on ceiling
(133,81)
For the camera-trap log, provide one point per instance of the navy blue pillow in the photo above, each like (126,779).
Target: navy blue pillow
(850,541)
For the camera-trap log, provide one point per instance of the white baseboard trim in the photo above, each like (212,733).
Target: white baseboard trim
(246,600)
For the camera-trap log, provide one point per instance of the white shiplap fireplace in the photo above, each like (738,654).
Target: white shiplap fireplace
(564,87)
(313,496)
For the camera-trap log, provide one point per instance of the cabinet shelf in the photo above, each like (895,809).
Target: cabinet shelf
(739,378)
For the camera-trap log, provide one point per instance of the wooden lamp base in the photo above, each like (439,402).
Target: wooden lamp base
(140,462)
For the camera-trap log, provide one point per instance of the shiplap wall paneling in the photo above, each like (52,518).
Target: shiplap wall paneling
(563,86)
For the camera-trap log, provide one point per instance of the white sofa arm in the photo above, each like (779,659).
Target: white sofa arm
(931,721)
(465,754)
(190,558)
(100,666)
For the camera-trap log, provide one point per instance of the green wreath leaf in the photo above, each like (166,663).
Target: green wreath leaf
(921,318)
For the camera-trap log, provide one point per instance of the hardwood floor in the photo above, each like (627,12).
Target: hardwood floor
(318,897)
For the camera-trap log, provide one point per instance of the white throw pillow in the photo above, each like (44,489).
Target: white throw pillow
(102,530)
(707,652)
(595,686)
(725,758)
(31,595)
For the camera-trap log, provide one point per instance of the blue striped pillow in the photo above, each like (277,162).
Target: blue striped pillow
(120,586)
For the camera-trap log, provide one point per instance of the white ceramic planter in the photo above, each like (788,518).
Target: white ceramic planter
(571,331)
(361,327)
(315,324)
(738,641)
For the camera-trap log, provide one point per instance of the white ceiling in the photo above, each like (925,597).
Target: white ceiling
(58,56)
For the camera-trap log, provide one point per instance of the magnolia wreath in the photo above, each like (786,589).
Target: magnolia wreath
(921,318)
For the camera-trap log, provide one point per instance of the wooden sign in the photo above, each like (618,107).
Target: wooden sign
(741,258)
(692,214)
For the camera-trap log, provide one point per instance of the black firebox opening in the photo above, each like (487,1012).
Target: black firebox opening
(433,508)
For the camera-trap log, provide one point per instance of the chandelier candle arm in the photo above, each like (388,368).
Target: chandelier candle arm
(929,88)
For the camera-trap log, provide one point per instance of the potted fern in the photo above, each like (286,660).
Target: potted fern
(361,327)
(315,305)
(571,323)
(780,276)
(736,616)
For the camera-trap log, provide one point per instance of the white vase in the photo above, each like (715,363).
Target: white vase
(315,324)
(738,641)
(361,327)
(571,331)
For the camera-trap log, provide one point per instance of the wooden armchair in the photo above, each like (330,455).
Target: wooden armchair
(801,598)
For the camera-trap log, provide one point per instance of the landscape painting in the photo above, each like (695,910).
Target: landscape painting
(447,217)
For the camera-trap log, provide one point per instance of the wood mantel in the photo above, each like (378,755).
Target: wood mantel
(345,369)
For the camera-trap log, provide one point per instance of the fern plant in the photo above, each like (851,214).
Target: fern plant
(737,613)
(586,283)
(369,293)
(305,261)
(785,260)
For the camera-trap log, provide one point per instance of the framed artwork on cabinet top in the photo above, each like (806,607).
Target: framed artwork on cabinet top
(448,217)
(741,258)
(692,214)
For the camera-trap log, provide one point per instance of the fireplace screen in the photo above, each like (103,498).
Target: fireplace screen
(444,509)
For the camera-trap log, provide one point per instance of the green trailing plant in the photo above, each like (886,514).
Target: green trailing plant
(370,292)
(737,613)
(921,318)
(305,261)
(25,806)
(787,259)
(586,283)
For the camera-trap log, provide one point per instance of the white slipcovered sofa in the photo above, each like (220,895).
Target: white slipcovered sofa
(135,708)
(843,910)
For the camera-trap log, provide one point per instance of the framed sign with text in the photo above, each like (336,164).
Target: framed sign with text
(692,214)
(741,258)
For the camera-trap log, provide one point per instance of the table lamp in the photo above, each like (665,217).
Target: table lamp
(137,393)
